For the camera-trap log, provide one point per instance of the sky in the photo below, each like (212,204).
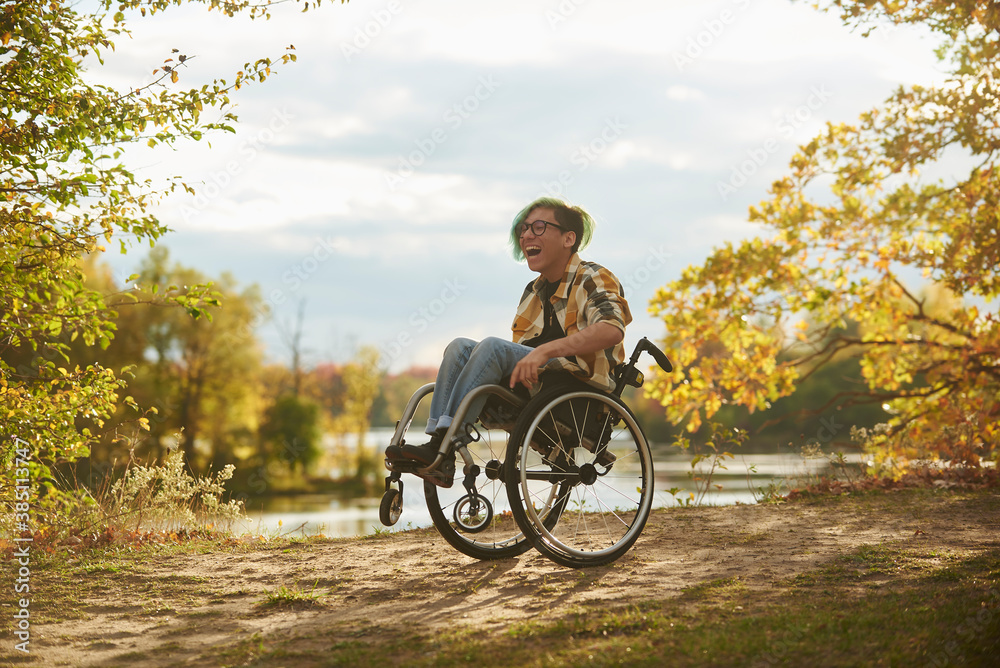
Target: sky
(374,180)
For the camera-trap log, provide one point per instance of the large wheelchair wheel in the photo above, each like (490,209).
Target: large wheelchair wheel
(581,455)
(483,527)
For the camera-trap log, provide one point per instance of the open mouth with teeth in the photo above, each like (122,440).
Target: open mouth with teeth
(532,251)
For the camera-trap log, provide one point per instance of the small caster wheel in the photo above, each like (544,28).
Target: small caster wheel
(391,507)
(473,513)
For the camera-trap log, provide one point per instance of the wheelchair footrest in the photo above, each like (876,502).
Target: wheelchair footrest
(444,476)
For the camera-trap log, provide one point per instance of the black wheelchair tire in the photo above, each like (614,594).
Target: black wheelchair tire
(524,463)
(502,537)
(471,544)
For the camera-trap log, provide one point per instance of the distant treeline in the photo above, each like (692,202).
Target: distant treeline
(202,386)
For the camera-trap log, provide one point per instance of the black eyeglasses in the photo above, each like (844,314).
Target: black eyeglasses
(537,228)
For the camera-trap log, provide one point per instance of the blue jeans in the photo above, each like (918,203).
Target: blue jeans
(468,364)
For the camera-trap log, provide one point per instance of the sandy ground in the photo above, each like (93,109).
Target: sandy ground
(185,609)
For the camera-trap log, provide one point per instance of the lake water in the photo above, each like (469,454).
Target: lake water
(741,482)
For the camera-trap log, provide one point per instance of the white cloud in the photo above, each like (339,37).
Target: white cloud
(648,150)
(335,127)
(317,142)
(684,93)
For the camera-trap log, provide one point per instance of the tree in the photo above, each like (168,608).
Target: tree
(65,189)
(851,227)
(290,432)
(395,392)
(207,371)
(291,336)
(362,378)
(325,384)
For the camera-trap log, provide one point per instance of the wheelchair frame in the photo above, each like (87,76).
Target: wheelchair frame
(552,452)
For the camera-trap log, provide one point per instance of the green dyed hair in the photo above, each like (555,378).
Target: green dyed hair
(571,218)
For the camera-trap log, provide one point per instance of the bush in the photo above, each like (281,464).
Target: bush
(167,497)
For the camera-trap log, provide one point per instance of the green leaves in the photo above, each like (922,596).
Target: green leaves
(832,274)
(64,186)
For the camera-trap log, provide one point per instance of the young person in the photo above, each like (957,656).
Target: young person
(571,317)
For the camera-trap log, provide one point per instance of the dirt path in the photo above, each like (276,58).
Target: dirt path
(187,609)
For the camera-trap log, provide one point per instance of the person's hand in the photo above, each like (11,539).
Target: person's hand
(526,371)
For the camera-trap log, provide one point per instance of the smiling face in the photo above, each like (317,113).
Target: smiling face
(548,253)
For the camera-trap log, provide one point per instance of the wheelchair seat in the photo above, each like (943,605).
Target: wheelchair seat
(499,414)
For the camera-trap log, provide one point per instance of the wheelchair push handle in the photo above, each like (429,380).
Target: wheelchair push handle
(628,374)
(658,355)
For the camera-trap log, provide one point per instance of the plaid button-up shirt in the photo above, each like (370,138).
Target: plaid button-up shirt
(587,294)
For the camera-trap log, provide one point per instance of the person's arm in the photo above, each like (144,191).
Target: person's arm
(598,336)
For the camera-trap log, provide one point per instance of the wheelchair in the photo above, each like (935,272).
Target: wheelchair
(567,471)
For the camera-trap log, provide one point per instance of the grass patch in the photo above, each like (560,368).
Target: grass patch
(101,567)
(720,590)
(65,581)
(752,537)
(294,597)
